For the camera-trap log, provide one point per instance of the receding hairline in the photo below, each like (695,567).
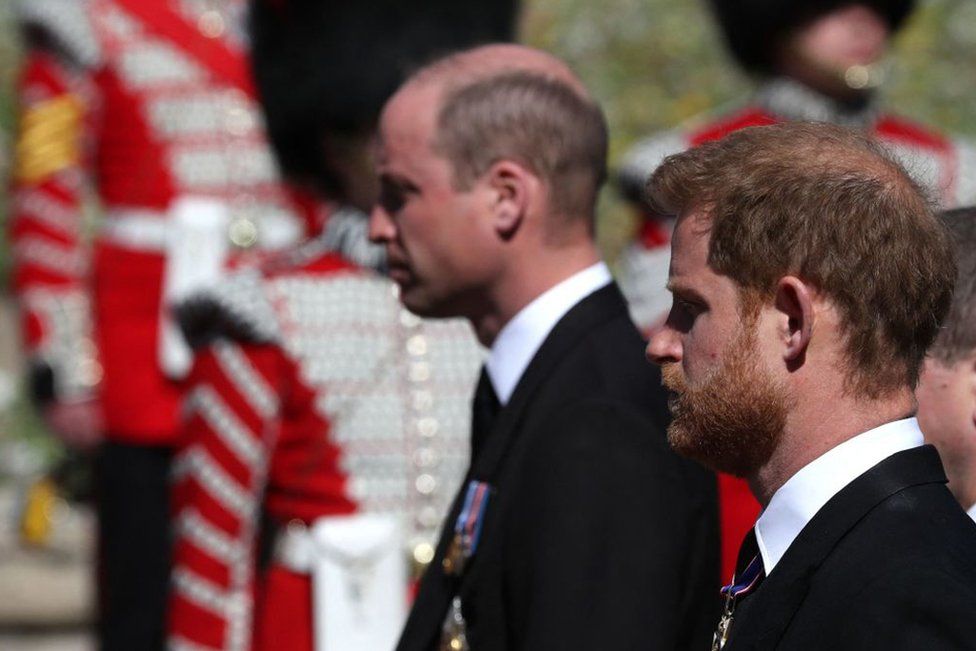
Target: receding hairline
(485,62)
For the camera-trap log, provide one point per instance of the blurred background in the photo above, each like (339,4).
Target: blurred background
(654,64)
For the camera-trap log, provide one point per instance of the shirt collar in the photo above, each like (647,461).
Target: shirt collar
(805,493)
(972,512)
(520,338)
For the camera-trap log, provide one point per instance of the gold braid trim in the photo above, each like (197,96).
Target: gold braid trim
(49,139)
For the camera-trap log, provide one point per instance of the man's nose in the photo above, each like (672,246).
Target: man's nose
(664,346)
(381,227)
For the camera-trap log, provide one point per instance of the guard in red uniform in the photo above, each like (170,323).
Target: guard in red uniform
(819,61)
(315,397)
(146,107)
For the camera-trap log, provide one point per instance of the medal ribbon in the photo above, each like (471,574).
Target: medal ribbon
(469,522)
(749,579)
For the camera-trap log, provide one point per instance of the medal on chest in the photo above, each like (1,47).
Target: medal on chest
(463,545)
(740,587)
(467,528)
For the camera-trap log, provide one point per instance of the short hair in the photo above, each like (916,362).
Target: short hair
(830,206)
(538,121)
(957,337)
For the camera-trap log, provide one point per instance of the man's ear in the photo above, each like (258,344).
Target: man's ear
(795,302)
(512,186)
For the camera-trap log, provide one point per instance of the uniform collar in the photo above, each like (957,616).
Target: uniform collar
(790,100)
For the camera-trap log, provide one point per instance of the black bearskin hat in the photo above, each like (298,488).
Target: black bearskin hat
(754,28)
(327,66)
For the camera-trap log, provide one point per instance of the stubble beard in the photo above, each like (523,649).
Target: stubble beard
(734,419)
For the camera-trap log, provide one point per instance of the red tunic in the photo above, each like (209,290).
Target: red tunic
(137,103)
(322,397)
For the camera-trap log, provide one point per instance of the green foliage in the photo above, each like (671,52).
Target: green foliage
(658,63)
(9,61)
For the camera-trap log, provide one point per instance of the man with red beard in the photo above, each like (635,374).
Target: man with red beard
(809,277)
(813,60)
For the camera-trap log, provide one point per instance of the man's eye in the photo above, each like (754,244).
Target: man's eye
(391,198)
(686,306)
(683,314)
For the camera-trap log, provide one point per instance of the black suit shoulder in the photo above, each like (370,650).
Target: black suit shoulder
(903,578)
(888,563)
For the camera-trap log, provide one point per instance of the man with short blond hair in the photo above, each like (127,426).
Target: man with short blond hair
(576,527)
(809,276)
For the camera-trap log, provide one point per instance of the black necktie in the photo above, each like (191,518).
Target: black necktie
(749,573)
(748,550)
(483,412)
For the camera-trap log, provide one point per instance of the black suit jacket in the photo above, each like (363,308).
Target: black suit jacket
(597,536)
(887,563)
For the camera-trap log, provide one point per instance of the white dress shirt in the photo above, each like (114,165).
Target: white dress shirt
(805,493)
(972,512)
(520,338)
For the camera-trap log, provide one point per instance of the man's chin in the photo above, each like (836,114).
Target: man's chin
(413,303)
(420,303)
(720,458)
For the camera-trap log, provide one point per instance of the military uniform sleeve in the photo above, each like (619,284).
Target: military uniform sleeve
(230,426)
(305,479)
(52,164)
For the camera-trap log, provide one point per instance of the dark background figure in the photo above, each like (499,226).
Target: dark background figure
(816,61)
(946,390)
(315,397)
(576,527)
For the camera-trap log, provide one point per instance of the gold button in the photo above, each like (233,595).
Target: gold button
(243,232)
(425,484)
(211,24)
(90,372)
(423,553)
(857,77)
(238,121)
(417,345)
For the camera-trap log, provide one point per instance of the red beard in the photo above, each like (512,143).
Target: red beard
(733,420)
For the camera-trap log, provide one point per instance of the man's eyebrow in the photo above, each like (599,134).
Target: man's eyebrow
(677,289)
(399,180)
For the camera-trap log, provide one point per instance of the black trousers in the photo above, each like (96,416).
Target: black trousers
(132,493)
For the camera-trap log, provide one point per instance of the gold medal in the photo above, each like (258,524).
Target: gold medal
(724,625)
(454,558)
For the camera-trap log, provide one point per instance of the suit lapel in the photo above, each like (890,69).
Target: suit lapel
(770,610)
(599,307)
(436,589)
